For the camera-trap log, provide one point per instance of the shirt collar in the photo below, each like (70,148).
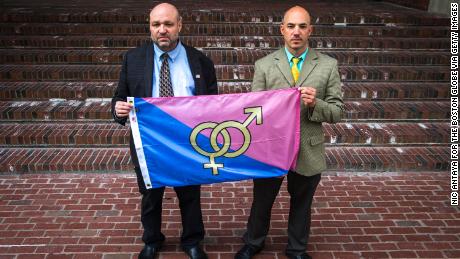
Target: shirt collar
(172,54)
(290,56)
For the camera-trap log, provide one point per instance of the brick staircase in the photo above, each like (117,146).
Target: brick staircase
(59,66)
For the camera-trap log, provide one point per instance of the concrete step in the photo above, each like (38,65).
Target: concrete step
(81,90)
(223,73)
(368,159)
(269,42)
(106,134)
(222,57)
(96,109)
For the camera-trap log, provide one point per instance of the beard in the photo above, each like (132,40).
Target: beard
(166,43)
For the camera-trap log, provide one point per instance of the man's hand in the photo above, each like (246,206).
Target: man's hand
(308,95)
(122,109)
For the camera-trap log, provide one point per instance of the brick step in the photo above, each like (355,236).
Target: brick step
(55,110)
(112,134)
(400,90)
(351,90)
(223,72)
(368,159)
(388,158)
(221,57)
(387,133)
(202,29)
(328,13)
(101,110)
(390,110)
(64,134)
(62,90)
(109,41)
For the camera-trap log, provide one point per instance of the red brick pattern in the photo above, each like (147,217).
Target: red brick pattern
(104,89)
(45,134)
(354,216)
(59,64)
(101,110)
(396,110)
(55,110)
(102,133)
(409,90)
(223,56)
(223,73)
(115,41)
(60,90)
(354,158)
(387,158)
(23,160)
(323,12)
(387,133)
(203,29)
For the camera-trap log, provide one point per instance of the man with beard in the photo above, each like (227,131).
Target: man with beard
(162,68)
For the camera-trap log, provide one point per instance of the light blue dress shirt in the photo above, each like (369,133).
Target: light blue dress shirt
(181,76)
(290,56)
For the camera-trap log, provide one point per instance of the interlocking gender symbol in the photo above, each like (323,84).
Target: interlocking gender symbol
(221,129)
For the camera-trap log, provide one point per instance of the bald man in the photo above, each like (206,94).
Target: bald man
(161,68)
(317,77)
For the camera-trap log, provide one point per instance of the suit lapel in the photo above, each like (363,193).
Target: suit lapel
(148,70)
(283,65)
(308,66)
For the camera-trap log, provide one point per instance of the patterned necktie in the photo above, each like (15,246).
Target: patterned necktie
(165,78)
(294,69)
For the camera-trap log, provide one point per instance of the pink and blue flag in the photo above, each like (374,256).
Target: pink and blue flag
(216,138)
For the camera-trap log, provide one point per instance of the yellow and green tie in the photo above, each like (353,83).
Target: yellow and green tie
(294,69)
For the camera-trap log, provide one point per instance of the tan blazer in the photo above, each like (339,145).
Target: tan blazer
(319,71)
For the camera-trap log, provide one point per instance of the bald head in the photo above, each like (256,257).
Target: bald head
(296,28)
(163,8)
(165,25)
(297,11)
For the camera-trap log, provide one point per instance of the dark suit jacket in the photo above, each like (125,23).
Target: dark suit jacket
(136,78)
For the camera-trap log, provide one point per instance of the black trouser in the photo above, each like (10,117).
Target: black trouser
(190,209)
(301,189)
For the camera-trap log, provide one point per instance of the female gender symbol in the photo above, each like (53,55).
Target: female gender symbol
(221,129)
